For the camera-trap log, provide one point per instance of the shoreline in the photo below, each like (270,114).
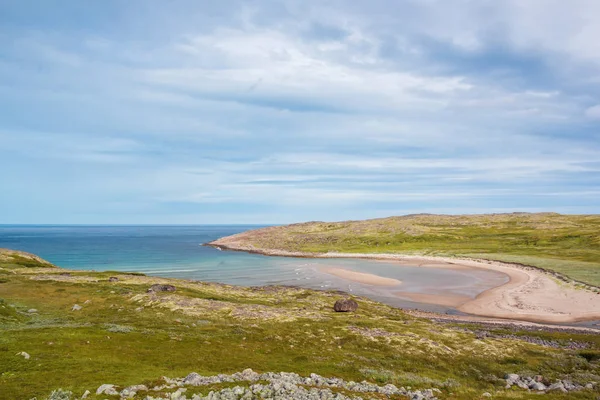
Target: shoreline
(531,294)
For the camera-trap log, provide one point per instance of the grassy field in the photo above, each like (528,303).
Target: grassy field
(124,335)
(568,244)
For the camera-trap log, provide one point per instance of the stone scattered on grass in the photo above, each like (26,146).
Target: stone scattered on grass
(345,305)
(276,386)
(537,384)
(25,355)
(76,307)
(107,389)
(131,391)
(113,279)
(32,311)
(158,287)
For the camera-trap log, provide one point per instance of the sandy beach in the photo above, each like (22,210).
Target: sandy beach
(529,295)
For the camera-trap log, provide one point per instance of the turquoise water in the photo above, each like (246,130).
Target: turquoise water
(176,251)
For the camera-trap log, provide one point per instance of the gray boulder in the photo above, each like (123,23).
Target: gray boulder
(131,391)
(539,386)
(193,379)
(107,389)
(557,387)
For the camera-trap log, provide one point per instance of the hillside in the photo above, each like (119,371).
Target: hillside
(568,244)
(77,330)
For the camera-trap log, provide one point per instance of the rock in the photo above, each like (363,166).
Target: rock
(113,279)
(539,386)
(86,394)
(512,377)
(25,355)
(557,387)
(486,394)
(417,396)
(178,394)
(345,305)
(193,379)
(249,375)
(76,307)
(389,389)
(522,384)
(161,288)
(32,310)
(131,391)
(107,389)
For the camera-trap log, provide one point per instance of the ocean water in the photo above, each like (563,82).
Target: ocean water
(177,252)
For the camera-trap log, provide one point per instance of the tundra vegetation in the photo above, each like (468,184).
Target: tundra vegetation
(123,334)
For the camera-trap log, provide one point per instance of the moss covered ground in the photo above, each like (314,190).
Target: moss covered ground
(124,335)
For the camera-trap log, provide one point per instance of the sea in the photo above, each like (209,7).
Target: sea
(178,252)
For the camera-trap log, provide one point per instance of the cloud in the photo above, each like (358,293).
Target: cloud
(299,110)
(593,112)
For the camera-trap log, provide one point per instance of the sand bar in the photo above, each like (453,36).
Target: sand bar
(450,300)
(360,277)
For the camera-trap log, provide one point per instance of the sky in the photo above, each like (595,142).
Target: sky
(270,112)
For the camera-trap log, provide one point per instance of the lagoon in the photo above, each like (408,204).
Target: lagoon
(177,252)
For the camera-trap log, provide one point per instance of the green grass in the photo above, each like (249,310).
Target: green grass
(568,244)
(212,329)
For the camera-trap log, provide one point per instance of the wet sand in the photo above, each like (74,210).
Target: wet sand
(360,277)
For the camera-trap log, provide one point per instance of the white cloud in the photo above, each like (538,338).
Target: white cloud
(593,112)
(313,105)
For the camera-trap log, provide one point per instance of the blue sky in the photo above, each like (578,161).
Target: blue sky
(148,111)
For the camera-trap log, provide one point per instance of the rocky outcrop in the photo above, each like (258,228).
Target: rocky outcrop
(270,385)
(539,384)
